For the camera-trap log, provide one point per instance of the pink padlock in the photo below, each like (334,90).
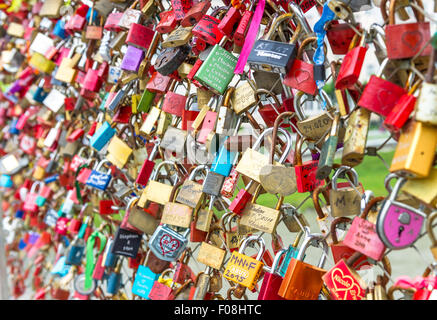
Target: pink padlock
(362,236)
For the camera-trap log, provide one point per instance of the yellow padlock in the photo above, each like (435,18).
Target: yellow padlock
(243,269)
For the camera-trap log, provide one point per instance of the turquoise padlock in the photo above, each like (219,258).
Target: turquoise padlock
(102,136)
(6,181)
(223,161)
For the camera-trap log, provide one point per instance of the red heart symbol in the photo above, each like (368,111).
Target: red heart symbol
(412,39)
(168,244)
(301,75)
(385,99)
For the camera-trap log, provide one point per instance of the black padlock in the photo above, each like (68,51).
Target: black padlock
(319,72)
(171,58)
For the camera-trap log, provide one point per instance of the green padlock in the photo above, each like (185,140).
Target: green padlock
(217,71)
(146,101)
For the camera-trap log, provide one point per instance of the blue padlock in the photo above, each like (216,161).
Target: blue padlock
(292,252)
(102,136)
(19,214)
(110,258)
(223,161)
(144,280)
(12,128)
(114,280)
(59,29)
(97,179)
(77,248)
(39,94)
(6,181)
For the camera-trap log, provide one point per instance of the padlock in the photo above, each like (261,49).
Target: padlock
(329,149)
(170,59)
(313,127)
(118,151)
(422,189)
(114,279)
(406,40)
(209,254)
(260,217)
(362,235)
(350,69)
(168,244)
(144,279)
(401,112)
(301,74)
(174,103)
(427,95)
(243,269)
(414,153)
(252,161)
(76,250)
(293,286)
(398,225)
(176,214)
(305,172)
(345,201)
(217,71)
(167,22)
(274,56)
(178,37)
(139,36)
(138,220)
(343,281)
(272,280)
(380,95)
(355,138)
(156,191)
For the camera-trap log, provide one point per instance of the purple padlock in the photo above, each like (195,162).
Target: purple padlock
(132,59)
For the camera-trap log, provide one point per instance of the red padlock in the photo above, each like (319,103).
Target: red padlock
(207,30)
(305,172)
(301,74)
(167,22)
(196,12)
(232,17)
(350,69)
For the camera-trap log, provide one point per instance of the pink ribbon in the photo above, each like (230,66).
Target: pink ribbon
(250,37)
(418,283)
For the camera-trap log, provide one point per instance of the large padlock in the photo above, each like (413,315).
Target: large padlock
(398,225)
(274,56)
(167,244)
(406,40)
(303,281)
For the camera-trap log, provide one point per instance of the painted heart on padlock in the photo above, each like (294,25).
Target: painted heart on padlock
(301,76)
(168,244)
(412,39)
(385,98)
(345,283)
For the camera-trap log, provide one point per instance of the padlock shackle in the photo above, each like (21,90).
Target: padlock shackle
(334,224)
(397,188)
(275,135)
(160,165)
(429,229)
(392,11)
(276,260)
(340,171)
(369,206)
(257,239)
(307,242)
(320,189)
(297,11)
(200,167)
